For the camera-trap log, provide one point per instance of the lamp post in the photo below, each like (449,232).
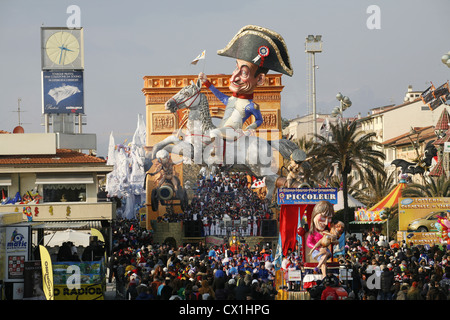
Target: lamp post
(344,104)
(313,45)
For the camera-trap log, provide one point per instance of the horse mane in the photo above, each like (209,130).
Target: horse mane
(205,114)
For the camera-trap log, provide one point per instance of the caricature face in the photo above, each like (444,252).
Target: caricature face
(339,228)
(243,80)
(321,222)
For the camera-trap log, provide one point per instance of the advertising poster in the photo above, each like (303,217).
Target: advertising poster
(33,285)
(421,214)
(79,280)
(17,248)
(418,238)
(63,92)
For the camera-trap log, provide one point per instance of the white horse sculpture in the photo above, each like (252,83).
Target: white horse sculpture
(250,153)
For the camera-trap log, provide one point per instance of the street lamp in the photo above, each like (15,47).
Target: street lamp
(446,59)
(345,103)
(313,45)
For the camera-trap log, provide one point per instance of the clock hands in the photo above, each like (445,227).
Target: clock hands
(63,49)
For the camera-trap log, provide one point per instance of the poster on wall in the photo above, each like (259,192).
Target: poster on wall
(421,214)
(33,285)
(62,92)
(17,248)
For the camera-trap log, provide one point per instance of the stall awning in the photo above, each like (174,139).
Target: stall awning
(390,200)
(5,180)
(58,225)
(367,222)
(64,179)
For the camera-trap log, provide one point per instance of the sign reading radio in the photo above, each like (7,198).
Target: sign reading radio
(306,196)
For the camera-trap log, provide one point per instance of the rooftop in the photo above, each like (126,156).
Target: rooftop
(425,134)
(62,156)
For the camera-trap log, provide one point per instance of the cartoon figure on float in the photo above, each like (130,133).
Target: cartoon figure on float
(165,168)
(256,50)
(443,226)
(234,243)
(321,218)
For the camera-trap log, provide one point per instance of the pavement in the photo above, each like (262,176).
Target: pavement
(110,293)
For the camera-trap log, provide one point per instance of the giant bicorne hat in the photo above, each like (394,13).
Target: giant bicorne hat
(261,46)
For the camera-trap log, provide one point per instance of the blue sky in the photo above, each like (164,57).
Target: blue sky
(127,40)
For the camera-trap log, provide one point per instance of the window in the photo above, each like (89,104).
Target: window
(64,192)
(3,192)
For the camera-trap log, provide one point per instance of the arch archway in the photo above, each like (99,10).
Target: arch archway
(171,242)
(161,123)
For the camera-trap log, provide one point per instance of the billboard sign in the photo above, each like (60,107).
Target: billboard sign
(17,249)
(421,214)
(62,92)
(287,196)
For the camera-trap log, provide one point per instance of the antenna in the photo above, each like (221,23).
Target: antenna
(19,111)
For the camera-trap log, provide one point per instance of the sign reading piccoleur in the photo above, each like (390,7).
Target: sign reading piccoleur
(306,196)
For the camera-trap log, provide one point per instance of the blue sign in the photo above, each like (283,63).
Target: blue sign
(63,91)
(306,196)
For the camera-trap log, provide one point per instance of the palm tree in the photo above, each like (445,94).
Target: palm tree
(437,187)
(374,187)
(349,149)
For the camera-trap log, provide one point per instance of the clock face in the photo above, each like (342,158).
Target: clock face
(62,48)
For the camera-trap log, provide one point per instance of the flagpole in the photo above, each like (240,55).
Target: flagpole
(204,64)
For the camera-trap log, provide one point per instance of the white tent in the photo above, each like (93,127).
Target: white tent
(59,237)
(352,202)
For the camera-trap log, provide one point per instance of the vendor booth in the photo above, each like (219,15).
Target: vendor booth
(374,215)
(30,268)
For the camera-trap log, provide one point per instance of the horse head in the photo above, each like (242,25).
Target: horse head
(187,97)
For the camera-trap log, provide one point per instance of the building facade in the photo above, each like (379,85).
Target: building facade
(59,185)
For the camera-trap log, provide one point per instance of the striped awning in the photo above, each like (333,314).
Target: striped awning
(391,199)
(64,179)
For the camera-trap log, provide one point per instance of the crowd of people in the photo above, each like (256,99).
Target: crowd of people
(223,197)
(144,270)
(382,270)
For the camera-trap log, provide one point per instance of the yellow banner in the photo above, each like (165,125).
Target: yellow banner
(84,292)
(47,273)
(418,238)
(420,214)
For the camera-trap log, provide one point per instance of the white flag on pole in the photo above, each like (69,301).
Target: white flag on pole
(199,57)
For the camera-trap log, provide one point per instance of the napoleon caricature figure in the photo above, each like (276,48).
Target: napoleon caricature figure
(256,50)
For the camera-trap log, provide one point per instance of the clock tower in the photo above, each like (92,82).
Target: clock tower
(62,67)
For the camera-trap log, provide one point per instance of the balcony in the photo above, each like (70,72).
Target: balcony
(64,211)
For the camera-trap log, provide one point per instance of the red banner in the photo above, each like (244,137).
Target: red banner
(289,215)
